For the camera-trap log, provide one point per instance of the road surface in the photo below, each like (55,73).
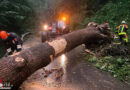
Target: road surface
(78,74)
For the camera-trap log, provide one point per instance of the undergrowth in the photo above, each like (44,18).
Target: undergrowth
(119,66)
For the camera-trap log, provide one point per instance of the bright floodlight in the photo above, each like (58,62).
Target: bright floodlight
(64,18)
(45,27)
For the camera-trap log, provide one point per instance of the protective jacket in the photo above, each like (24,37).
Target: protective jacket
(13,42)
(122,29)
(122,32)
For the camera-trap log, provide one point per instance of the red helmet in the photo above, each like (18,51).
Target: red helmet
(3,34)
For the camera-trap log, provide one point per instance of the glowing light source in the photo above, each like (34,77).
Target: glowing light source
(64,27)
(45,27)
(64,18)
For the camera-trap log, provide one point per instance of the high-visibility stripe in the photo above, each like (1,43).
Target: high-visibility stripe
(126,38)
(121,30)
(121,33)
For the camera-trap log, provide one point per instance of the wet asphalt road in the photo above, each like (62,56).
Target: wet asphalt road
(78,74)
(82,75)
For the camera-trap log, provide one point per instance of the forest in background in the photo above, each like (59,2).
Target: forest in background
(22,15)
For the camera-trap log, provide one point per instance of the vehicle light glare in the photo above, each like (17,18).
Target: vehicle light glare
(45,27)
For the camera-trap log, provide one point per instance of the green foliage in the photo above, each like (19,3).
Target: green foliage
(119,67)
(92,59)
(14,15)
(112,12)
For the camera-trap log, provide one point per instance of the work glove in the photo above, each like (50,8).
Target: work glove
(19,47)
(8,52)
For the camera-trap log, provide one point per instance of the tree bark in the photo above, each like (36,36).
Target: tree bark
(16,68)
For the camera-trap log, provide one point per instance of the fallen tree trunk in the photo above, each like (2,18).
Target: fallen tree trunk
(16,68)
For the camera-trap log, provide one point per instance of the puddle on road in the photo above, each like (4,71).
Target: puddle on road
(60,65)
(54,80)
(63,60)
(59,62)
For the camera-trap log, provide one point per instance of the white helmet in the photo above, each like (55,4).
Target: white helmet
(123,22)
(92,24)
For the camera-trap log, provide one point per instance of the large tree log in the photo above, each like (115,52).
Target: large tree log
(16,68)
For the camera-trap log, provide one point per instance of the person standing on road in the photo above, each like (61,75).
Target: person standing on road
(11,42)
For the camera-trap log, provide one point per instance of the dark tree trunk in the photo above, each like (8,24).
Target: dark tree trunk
(16,68)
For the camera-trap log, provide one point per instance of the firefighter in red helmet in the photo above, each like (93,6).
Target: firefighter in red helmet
(11,42)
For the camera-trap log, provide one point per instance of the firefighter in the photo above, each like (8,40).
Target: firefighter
(122,31)
(11,42)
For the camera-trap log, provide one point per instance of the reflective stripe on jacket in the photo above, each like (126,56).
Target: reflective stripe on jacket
(122,29)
